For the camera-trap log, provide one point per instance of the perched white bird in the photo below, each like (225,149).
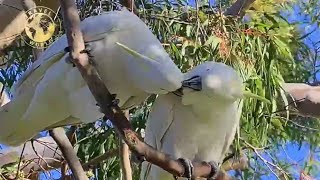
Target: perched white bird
(200,125)
(129,59)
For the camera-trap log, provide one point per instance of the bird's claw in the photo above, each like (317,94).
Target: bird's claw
(69,61)
(87,50)
(67,49)
(214,170)
(188,167)
(137,158)
(114,102)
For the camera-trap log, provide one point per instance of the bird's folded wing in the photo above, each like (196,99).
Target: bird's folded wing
(47,58)
(67,122)
(99,27)
(93,28)
(160,119)
(11,113)
(158,123)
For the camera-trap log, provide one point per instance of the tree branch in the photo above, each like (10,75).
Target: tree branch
(114,114)
(68,152)
(238,8)
(129,4)
(124,154)
(304,99)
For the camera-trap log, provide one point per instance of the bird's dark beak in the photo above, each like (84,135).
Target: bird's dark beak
(193,83)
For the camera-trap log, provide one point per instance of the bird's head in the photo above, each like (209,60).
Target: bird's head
(211,82)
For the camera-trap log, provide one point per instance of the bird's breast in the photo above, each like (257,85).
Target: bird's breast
(201,137)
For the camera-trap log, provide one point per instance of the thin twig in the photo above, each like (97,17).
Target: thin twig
(124,153)
(266,162)
(20,159)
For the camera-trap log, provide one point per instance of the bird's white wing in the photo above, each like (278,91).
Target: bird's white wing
(11,113)
(229,137)
(158,123)
(47,106)
(23,91)
(52,80)
(155,74)
(35,73)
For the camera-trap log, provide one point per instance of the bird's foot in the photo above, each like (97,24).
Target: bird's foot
(87,50)
(188,168)
(214,170)
(69,61)
(114,102)
(138,158)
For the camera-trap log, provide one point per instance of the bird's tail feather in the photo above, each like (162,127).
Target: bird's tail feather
(10,116)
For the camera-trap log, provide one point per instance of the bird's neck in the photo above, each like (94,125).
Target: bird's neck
(201,110)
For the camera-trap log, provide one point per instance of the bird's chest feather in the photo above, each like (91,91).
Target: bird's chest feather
(201,135)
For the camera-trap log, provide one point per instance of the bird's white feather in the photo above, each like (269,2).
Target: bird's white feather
(52,91)
(200,130)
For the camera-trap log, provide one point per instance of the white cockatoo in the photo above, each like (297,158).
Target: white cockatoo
(128,57)
(200,125)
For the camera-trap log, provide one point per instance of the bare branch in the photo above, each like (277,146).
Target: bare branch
(124,153)
(303,98)
(20,159)
(68,152)
(238,8)
(104,99)
(129,4)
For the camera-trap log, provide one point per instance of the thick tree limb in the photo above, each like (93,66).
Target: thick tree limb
(104,99)
(238,8)
(58,134)
(304,99)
